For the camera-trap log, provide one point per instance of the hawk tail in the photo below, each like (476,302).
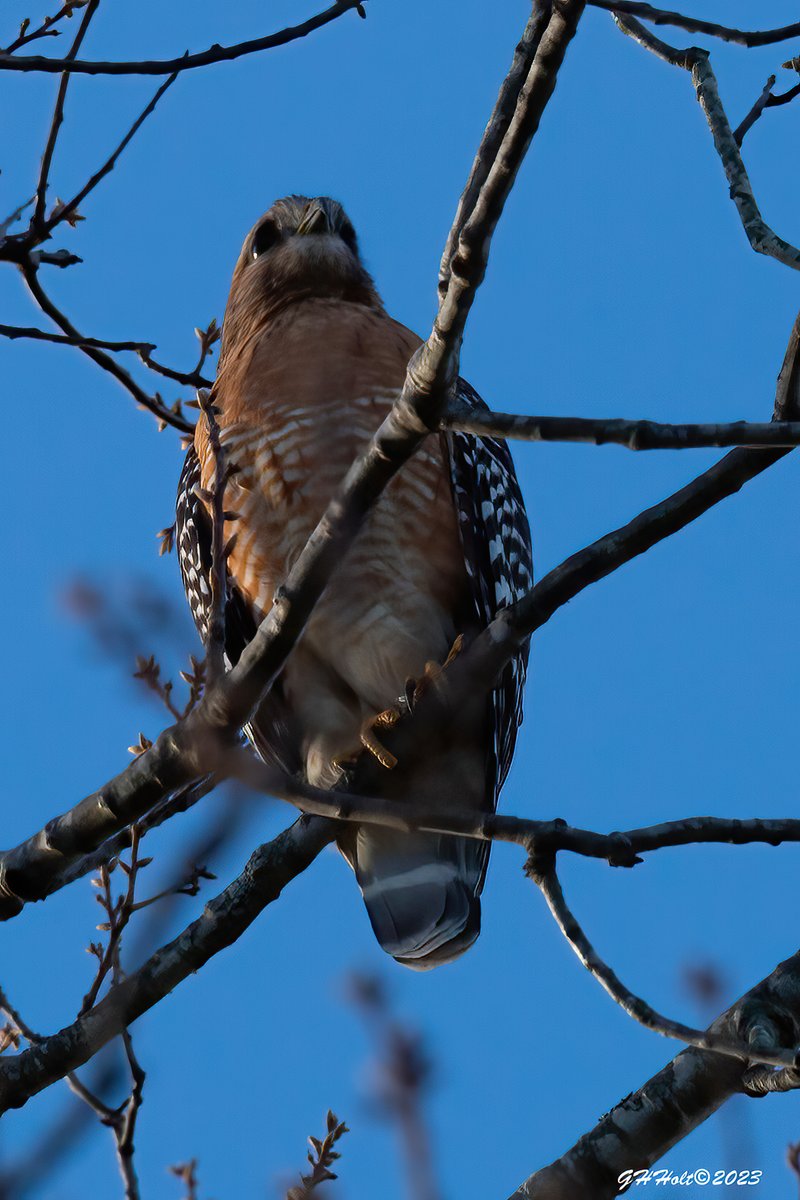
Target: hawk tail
(422,893)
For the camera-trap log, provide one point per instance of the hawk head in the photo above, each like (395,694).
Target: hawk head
(300,249)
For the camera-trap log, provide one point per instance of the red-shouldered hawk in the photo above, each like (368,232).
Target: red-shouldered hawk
(310,364)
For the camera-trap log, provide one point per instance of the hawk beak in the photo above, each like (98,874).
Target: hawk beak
(315,221)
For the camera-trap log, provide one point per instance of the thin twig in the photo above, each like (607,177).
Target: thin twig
(403,1076)
(544,875)
(154,404)
(621,848)
(118,914)
(762,238)
(187,1173)
(64,211)
(663,16)
(187,62)
(62,339)
(45,29)
(741,131)
(322,1157)
(58,116)
(767,99)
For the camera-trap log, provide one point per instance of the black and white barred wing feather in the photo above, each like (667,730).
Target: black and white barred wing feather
(496,539)
(271,733)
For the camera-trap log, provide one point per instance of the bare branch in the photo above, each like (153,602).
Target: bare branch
(12,332)
(208,338)
(153,404)
(762,238)
(512,626)
(647,1123)
(767,99)
(402,1078)
(187,62)
(538,838)
(633,435)
(45,29)
(63,212)
(663,16)
(58,116)
(222,921)
(495,132)
(544,875)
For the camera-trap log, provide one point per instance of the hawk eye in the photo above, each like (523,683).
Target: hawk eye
(264,238)
(348,235)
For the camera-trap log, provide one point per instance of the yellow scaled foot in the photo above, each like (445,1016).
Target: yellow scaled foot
(369,740)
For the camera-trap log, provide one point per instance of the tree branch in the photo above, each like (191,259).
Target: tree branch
(633,435)
(187,62)
(647,1123)
(539,838)
(223,920)
(767,99)
(496,130)
(154,404)
(762,238)
(45,29)
(543,872)
(663,16)
(43,228)
(493,648)
(12,332)
(58,116)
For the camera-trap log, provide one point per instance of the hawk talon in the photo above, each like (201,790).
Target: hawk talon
(383,720)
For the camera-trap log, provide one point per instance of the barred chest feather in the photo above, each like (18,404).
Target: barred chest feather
(316,386)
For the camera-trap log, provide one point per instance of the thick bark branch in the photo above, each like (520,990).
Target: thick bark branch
(633,435)
(496,129)
(646,1124)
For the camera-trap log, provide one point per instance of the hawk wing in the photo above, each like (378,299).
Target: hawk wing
(271,731)
(496,540)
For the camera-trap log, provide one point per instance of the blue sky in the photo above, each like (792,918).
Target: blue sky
(620,284)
